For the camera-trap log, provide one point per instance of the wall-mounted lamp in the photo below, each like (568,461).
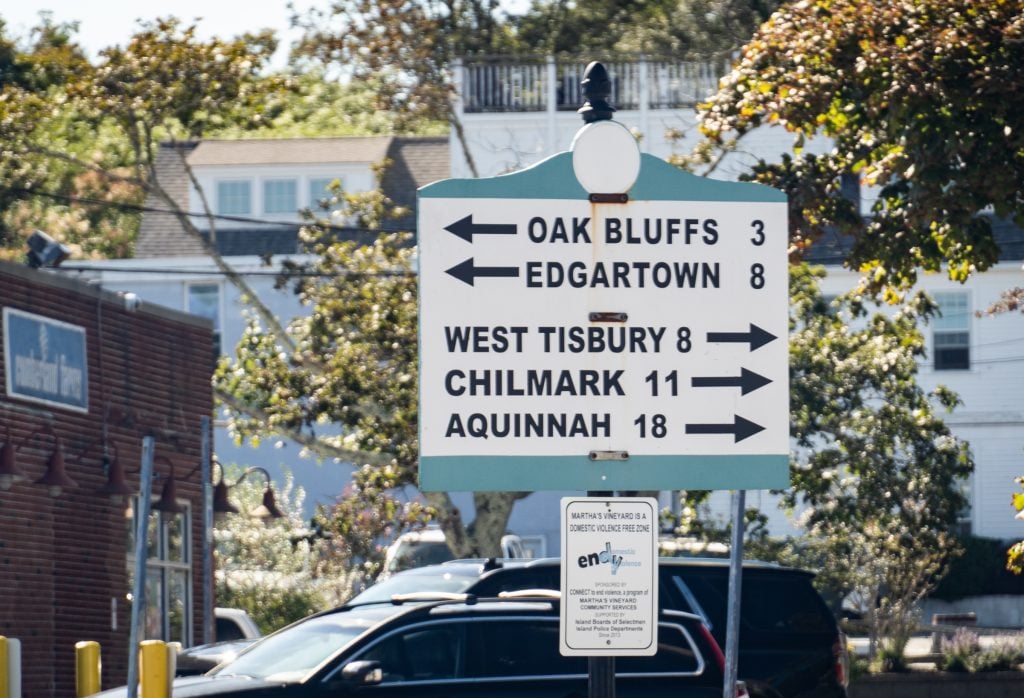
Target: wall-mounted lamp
(55,479)
(267,510)
(168,502)
(117,486)
(9,471)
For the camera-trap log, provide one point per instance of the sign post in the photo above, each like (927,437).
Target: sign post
(602,321)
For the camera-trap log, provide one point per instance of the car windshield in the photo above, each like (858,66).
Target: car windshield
(439,580)
(418,553)
(291,654)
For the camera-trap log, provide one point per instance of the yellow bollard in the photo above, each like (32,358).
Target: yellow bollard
(5,668)
(10,667)
(88,668)
(153,678)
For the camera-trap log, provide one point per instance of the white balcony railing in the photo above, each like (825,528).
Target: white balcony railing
(514,84)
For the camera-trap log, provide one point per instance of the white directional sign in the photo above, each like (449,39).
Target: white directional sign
(567,343)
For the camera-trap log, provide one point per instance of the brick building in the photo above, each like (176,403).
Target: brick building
(86,376)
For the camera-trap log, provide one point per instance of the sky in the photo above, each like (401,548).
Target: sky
(104,23)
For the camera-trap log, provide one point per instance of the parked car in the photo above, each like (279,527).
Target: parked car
(789,643)
(428,547)
(234,624)
(234,630)
(463,647)
(199,659)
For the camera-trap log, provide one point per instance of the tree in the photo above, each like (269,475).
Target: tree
(349,390)
(684,29)
(877,473)
(164,85)
(279,570)
(53,197)
(405,48)
(921,98)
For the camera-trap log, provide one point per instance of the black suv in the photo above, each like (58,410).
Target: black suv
(456,648)
(789,644)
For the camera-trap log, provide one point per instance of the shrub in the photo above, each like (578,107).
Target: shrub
(1004,654)
(963,652)
(958,652)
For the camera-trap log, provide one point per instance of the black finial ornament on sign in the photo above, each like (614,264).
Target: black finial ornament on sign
(597,86)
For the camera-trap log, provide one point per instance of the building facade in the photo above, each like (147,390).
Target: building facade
(87,374)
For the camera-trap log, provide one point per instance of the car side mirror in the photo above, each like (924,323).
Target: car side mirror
(362,673)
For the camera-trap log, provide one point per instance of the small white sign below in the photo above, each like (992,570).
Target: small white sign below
(609,576)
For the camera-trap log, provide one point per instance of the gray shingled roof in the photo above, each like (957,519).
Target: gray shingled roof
(416,161)
(161,234)
(833,248)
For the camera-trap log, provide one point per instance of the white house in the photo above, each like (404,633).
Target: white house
(517,113)
(256,189)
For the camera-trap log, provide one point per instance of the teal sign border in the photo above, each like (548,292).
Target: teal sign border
(509,473)
(554,178)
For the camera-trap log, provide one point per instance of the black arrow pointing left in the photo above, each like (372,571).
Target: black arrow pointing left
(740,429)
(467,273)
(747,381)
(465,228)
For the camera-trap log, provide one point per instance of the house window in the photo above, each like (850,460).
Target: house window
(319,190)
(279,196)
(167,611)
(951,332)
(204,300)
(234,197)
(849,189)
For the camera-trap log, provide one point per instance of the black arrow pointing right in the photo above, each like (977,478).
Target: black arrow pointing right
(467,273)
(740,429)
(747,381)
(757,337)
(465,228)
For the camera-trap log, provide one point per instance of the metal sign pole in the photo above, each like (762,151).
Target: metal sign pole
(732,624)
(601,677)
(600,670)
(207,477)
(139,586)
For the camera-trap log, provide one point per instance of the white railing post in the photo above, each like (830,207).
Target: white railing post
(644,97)
(551,103)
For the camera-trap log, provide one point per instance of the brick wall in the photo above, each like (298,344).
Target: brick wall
(63,560)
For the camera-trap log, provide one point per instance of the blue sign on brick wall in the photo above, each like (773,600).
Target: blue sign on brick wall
(45,361)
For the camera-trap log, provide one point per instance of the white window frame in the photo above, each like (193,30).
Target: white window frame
(160,570)
(228,201)
(280,202)
(951,329)
(218,319)
(317,192)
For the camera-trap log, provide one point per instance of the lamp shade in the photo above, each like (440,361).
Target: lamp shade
(117,485)
(9,472)
(267,510)
(56,478)
(168,502)
(221,503)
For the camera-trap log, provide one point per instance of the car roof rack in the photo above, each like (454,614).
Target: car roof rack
(422,596)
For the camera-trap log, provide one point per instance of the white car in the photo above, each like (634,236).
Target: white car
(428,547)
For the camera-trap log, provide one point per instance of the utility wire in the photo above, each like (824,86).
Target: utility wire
(138,208)
(218,272)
